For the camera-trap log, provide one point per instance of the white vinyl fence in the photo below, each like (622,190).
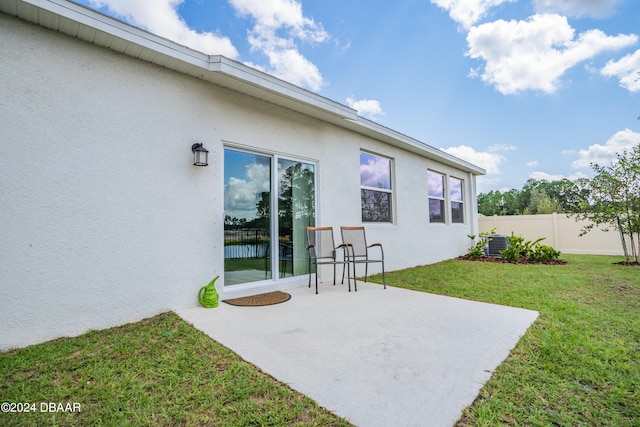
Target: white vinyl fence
(561,232)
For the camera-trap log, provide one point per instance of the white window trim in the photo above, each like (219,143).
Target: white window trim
(447,199)
(461,201)
(445,189)
(381,190)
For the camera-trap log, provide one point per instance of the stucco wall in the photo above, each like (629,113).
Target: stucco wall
(104,219)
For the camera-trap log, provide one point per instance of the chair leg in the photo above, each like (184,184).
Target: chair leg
(334,274)
(366,271)
(354,274)
(384,281)
(355,282)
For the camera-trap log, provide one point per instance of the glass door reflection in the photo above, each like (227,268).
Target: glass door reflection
(247,217)
(296,211)
(259,246)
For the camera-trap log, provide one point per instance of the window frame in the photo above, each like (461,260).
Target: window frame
(461,201)
(447,200)
(389,219)
(442,200)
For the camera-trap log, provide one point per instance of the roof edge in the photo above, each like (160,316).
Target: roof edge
(411,144)
(97,28)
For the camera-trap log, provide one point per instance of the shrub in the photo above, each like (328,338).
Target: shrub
(543,253)
(520,250)
(478,249)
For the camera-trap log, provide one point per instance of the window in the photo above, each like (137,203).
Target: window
(268,203)
(376,196)
(455,196)
(436,196)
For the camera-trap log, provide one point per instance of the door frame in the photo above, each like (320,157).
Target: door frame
(275,281)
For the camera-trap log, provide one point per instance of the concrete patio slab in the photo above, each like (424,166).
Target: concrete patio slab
(376,357)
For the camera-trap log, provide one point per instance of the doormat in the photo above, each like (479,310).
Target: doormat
(259,300)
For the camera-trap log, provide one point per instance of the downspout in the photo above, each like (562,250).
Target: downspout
(473,206)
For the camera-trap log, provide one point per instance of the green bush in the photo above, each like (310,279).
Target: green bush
(520,250)
(477,250)
(543,253)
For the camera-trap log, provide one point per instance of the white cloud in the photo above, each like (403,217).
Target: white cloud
(605,154)
(162,18)
(278,25)
(501,147)
(281,14)
(592,8)
(489,183)
(467,12)
(534,54)
(375,172)
(291,66)
(366,107)
(543,176)
(489,161)
(627,70)
(241,195)
(532,164)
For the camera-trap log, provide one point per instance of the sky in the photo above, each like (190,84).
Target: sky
(522,88)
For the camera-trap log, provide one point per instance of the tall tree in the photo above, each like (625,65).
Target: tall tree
(541,203)
(613,198)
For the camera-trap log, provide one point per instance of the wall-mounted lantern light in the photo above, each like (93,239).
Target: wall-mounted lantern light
(200,155)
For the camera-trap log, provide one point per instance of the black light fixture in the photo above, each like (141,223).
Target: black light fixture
(200,154)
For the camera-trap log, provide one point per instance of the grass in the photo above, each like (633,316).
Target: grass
(160,371)
(241,264)
(578,365)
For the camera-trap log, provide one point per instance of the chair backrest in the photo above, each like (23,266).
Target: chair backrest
(355,236)
(321,244)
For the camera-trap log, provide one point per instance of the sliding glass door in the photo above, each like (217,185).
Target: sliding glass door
(259,246)
(296,211)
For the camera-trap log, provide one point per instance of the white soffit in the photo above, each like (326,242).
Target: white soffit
(94,27)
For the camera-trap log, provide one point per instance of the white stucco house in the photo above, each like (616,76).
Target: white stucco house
(104,218)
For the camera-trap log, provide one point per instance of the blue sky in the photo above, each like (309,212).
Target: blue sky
(523,88)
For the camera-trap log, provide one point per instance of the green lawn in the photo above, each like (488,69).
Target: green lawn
(578,365)
(259,264)
(157,372)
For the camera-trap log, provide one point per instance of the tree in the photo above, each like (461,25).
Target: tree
(565,192)
(497,203)
(536,197)
(612,199)
(490,203)
(541,203)
(296,199)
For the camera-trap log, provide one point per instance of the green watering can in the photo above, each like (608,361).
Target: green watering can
(208,295)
